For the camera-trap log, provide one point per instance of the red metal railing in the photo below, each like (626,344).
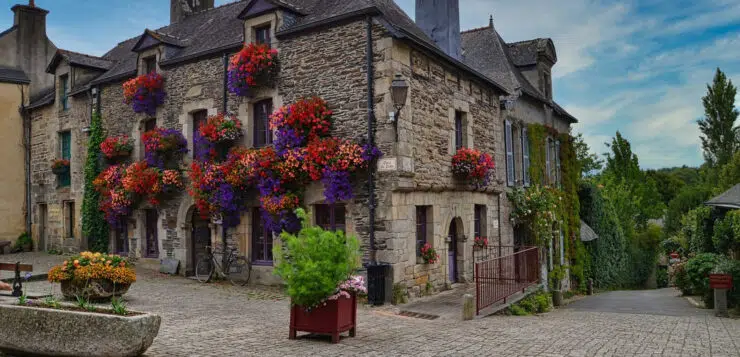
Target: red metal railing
(502,276)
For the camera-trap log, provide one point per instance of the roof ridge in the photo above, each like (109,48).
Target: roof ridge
(523,41)
(61,50)
(476,29)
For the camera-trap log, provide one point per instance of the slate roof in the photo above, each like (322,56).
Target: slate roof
(78,59)
(42,98)
(487,52)
(728,199)
(13,75)
(9,30)
(587,233)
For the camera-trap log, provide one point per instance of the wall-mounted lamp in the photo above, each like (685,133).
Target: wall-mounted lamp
(399,91)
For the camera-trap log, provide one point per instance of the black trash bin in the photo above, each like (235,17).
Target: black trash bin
(379,283)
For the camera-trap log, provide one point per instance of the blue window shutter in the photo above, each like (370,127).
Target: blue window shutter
(509,154)
(65,139)
(525,156)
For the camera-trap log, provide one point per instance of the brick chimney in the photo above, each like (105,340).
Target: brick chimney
(440,20)
(180,9)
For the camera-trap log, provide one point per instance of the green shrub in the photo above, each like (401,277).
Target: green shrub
(676,244)
(536,303)
(400,295)
(661,276)
(543,302)
(23,240)
(314,262)
(732,267)
(680,278)
(516,310)
(698,227)
(726,235)
(697,271)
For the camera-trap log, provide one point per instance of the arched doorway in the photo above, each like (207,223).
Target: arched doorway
(452,251)
(200,237)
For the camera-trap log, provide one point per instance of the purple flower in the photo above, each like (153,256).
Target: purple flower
(287,138)
(370,152)
(337,186)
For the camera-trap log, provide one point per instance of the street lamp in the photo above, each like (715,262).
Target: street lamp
(399,92)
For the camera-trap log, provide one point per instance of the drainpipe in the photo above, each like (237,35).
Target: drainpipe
(226,106)
(27,156)
(370,134)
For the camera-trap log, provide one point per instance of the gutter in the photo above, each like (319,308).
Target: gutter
(370,133)
(25,118)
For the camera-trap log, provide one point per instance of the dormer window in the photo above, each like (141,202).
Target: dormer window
(262,35)
(64,91)
(150,64)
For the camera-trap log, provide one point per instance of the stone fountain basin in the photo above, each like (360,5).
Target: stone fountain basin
(36,331)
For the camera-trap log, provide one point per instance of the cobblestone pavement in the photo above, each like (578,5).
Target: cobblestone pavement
(221,320)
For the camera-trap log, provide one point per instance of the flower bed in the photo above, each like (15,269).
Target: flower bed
(116,147)
(93,275)
(144,93)
(473,165)
(255,65)
(60,166)
(164,147)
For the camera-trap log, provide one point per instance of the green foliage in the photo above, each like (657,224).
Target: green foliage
(643,252)
(662,277)
(537,208)
(23,240)
(556,276)
(697,272)
(571,207)
(726,236)
(588,162)
(23,299)
(676,244)
(687,199)
(119,306)
(94,226)
(517,310)
(729,174)
(537,135)
(732,267)
(400,295)
(608,253)
(698,228)
(718,132)
(680,278)
(314,262)
(536,303)
(52,302)
(668,185)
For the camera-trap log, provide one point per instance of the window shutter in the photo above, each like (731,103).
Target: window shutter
(458,131)
(509,154)
(525,156)
(557,162)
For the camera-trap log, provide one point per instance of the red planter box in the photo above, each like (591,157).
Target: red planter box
(335,317)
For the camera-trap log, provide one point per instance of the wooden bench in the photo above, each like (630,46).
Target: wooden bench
(17,268)
(4,244)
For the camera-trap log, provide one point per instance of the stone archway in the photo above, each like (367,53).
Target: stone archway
(455,236)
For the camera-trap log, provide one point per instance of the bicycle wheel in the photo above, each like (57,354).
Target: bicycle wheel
(204,270)
(238,271)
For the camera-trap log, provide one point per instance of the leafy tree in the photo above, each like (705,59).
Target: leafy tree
(690,197)
(729,174)
(719,137)
(668,185)
(94,226)
(621,162)
(588,161)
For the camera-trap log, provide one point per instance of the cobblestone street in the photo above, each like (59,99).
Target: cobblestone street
(221,320)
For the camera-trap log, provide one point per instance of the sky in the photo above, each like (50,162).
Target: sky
(639,67)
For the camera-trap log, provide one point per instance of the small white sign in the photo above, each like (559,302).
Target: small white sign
(387,164)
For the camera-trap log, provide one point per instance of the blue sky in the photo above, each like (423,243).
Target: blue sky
(639,67)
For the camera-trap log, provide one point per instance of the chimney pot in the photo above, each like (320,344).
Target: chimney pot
(440,20)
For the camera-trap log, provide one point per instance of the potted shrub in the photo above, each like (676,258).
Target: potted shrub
(317,268)
(23,243)
(60,166)
(556,276)
(144,93)
(428,254)
(471,164)
(93,276)
(116,148)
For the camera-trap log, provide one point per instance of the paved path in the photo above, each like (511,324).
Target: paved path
(221,320)
(666,301)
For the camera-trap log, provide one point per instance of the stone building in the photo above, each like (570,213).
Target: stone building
(465,89)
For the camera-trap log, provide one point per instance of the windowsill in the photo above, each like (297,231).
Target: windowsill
(263,263)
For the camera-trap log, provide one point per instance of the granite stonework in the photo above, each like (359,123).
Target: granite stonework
(34,331)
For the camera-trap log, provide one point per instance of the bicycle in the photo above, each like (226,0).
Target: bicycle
(236,268)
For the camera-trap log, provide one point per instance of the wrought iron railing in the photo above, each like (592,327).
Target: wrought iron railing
(501,276)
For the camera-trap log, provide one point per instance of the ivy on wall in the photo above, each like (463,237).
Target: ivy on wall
(94,226)
(537,135)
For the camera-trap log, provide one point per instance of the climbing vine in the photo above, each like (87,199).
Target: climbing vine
(570,174)
(94,226)
(537,138)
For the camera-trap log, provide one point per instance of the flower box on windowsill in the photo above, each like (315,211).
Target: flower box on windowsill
(332,317)
(60,170)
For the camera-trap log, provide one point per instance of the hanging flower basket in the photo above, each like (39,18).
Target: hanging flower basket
(255,65)
(221,128)
(471,164)
(428,254)
(144,93)
(60,166)
(480,243)
(164,148)
(116,148)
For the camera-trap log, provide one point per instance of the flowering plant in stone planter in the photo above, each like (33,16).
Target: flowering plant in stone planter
(116,147)
(60,166)
(480,243)
(164,147)
(94,276)
(473,165)
(221,127)
(144,93)
(317,268)
(255,65)
(428,254)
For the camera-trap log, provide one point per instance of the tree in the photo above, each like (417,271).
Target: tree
(94,226)
(621,162)
(668,185)
(588,161)
(719,137)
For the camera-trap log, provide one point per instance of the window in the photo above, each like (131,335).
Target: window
(199,119)
(262,133)
(261,239)
(63,91)
(262,35)
(65,152)
(150,64)
(458,130)
(525,157)
(479,224)
(556,153)
(422,222)
(510,174)
(69,215)
(331,217)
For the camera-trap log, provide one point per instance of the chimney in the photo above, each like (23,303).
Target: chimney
(180,9)
(440,20)
(33,49)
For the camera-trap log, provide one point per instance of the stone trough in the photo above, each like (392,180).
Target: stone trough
(35,331)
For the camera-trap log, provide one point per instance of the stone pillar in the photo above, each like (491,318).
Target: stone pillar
(720,302)
(468,307)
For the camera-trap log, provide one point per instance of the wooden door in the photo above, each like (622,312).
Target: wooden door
(152,239)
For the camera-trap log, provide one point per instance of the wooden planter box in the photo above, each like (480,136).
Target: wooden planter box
(333,318)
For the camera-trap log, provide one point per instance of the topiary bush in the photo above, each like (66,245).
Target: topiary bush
(314,262)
